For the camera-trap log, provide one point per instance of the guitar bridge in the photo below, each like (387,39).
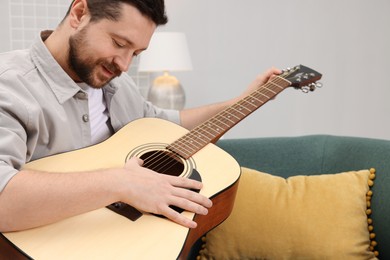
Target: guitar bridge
(125,210)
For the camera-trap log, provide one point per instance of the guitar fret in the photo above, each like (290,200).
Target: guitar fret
(200,143)
(221,121)
(272,91)
(228,117)
(228,122)
(209,129)
(231,115)
(199,137)
(181,148)
(252,101)
(264,95)
(206,134)
(196,138)
(242,107)
(194,141)
(278,86)
(237,110)
(215,130)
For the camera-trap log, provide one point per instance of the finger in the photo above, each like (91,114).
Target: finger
(196,202)
(190,206)
(271,73)
(179,218)
(135,160)
(276,71)
(184,182)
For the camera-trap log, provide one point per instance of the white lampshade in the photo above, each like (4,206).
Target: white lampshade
(167,51)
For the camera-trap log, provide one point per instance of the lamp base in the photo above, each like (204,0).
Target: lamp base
(167,92)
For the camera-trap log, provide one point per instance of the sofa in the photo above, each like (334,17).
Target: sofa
(306,197)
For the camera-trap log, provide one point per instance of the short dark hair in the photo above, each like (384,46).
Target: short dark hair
(111,9)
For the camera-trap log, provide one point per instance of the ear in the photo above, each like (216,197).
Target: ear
(78,13)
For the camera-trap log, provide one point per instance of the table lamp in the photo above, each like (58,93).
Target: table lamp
(167,51)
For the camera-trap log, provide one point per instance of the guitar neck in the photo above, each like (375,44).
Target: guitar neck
(216,126)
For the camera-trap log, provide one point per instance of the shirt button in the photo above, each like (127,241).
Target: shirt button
(85,118)
(81,95)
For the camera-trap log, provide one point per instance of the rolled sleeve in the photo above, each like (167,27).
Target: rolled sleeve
(6,173)
(167,114)
(13,149)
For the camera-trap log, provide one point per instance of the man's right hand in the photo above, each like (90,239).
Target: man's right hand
(152,192)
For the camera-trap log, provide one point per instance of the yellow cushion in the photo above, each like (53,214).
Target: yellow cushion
(302,217)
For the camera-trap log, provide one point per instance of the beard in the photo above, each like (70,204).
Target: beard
(84,64)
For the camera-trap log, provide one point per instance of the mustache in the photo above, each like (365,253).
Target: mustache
(112,68)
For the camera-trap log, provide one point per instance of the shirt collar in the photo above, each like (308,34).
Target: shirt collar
(57,79)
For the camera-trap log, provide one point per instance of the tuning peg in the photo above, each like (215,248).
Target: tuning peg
(319,85)
(305,89)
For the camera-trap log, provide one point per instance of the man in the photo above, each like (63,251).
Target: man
(68,92)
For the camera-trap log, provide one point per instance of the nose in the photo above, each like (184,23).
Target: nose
(123,62)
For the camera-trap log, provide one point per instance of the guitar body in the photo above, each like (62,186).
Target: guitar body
(104,234)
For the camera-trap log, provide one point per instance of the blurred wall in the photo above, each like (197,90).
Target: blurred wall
(232,41)
(347,41)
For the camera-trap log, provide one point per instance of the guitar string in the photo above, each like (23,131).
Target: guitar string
(183,142)
(163,162)
(201,130)
(160,156)
(204,130)
(224,117)
(160,159)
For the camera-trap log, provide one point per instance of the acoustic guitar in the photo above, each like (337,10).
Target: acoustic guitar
(119,231)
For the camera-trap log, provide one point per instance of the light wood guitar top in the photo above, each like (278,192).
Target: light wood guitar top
(103,234)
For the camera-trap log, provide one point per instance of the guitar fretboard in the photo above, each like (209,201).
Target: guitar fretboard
(199,137)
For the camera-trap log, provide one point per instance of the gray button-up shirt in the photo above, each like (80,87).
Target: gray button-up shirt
(44,112)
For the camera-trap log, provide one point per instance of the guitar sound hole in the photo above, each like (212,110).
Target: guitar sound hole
(163,162)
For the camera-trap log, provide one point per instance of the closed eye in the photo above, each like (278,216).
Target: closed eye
(117,44)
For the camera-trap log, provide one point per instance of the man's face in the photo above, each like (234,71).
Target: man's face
(101,51)
(94,71)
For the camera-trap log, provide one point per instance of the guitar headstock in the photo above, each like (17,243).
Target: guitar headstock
(302,77)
